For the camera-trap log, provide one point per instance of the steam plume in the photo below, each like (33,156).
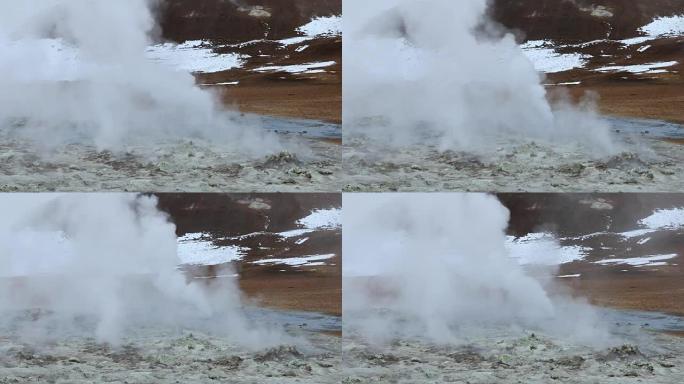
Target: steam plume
(435,266)
(110,259)
(439,72)
(76,71)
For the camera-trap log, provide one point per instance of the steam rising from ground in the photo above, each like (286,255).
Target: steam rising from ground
(439,69)
(436,266)
(75,71)
(106,266)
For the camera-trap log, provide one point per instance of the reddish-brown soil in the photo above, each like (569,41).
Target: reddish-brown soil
(318,292)
(315,99)
(650,100)
(661,291)
(310,96)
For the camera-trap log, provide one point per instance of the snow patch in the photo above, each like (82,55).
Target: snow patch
(322,219)
(639,68)
(197,249)
(546,59)
(322,26)
(665,219)
(665,26)
(655,260)
(195,56)
(318,27)
(296,68)
(297,261)
(543,249)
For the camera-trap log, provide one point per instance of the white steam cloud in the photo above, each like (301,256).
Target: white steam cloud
(435,266)
(110,261)
(438,71)
(76,71)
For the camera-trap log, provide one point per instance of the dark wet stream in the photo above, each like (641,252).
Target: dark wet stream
(656,129)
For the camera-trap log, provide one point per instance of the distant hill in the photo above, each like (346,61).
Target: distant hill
(572,20)
(239,20)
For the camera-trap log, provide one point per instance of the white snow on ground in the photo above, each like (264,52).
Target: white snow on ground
(542,249)
(566,83)
(322,26)
(569,276)
(297,68)
(323,219)
(644,241)
(54,60)
(660,27)
(665,26)
(639,68)
(318,27)
(193,56)
(317,220)
(226,83)
(659,220)
(545,58)
(195,249)
(665,219)
(303,261)
(655,260)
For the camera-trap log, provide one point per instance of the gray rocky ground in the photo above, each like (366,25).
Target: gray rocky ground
(644,162)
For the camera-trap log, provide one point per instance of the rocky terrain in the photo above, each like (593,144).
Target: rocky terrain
(190,165)
(504,358)
(643,161)
(169,356)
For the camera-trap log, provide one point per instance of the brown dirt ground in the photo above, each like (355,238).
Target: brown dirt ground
(661,292)
(662,101)
(308,96)
(302,291)
(308,100)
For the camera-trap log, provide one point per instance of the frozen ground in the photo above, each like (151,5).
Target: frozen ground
(200,249)
(182,165)
(628,248)
(550,57)
(645,162)
(158,355)
(638,355)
